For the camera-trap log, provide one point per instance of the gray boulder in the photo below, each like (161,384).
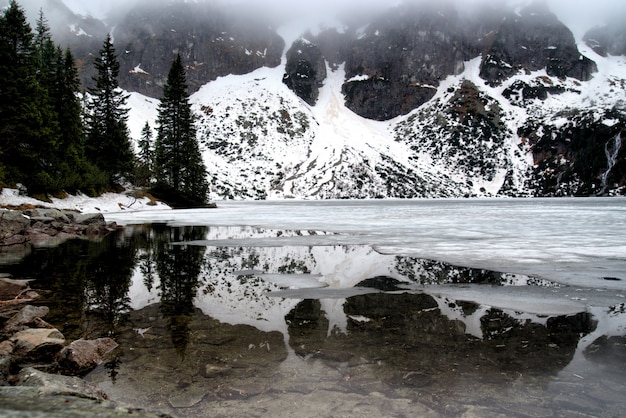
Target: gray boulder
(28,401)
(44,214)
(37,344)
(28,315)
(13,224)
(89,219)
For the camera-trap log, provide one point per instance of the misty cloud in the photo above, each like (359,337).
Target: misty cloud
(579,15)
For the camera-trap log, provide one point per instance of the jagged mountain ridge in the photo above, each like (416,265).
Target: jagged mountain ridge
(411,103)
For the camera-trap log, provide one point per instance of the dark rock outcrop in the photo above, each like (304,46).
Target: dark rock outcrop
(582,157)
(534,40)
(609,39)
(520,92)
(305,70)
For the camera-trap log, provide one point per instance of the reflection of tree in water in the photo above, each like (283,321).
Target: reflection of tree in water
(178,267)
(85,283)
(145,255)
(109,276)
(61,273)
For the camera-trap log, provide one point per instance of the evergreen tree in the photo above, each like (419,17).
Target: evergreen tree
(46,56)
(146,153)
(41,126)
(178,162)
(108,142)
(46,53)
(20,118)
(74,170)
(143,176)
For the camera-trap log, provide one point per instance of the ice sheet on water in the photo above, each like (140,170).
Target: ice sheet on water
(294,281)
(323,293)
(533,300)
(574,241)
(291,241)
(247,272)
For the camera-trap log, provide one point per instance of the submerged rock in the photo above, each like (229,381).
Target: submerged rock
(82,356)
(24,401)
(54,384)
(11,289)
(211,370)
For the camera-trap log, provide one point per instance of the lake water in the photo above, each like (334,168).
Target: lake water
(348,308)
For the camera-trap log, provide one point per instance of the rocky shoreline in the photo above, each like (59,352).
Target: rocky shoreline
(40,371)
(32,225)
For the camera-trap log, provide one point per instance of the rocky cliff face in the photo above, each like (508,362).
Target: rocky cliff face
(534,40)
(212,42)
(609,39)
(398,61)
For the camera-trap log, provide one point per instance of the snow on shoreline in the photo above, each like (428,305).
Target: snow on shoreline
(106,203)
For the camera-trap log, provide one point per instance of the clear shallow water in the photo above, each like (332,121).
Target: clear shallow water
(290,308)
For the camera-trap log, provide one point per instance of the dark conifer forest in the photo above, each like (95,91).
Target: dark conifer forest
(56,137)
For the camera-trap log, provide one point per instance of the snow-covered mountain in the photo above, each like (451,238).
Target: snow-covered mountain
(413,101)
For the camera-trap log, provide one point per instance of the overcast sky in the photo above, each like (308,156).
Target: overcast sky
(578,14)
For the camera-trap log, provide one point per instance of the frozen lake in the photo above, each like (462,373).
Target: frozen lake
(578,241)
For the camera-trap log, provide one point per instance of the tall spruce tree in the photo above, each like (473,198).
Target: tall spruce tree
(178,162)
(46,175)
(145,157)
(20,117)
(74,170)
(108,143)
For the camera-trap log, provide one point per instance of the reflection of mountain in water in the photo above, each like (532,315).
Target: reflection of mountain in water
(402,334)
